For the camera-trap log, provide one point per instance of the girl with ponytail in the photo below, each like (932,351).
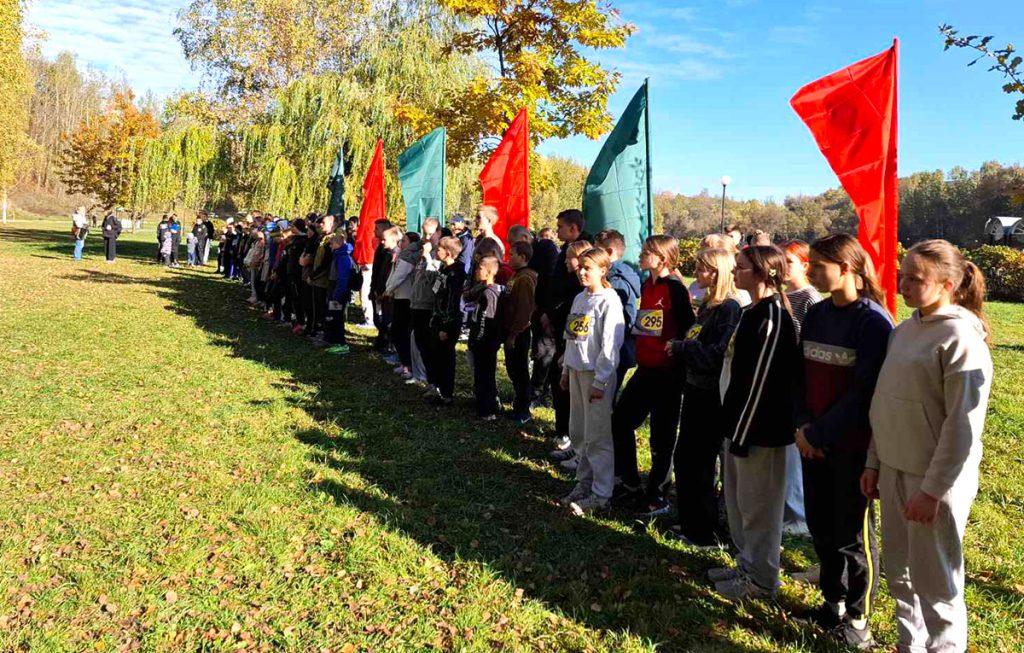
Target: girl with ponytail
(927,417)
(844,342)
(756,386)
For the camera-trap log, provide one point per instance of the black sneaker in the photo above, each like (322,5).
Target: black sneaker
(625,495)
(858,638)
(825,616)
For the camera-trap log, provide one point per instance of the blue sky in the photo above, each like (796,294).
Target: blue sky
(721,76)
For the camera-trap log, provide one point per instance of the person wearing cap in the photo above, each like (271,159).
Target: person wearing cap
(460,231)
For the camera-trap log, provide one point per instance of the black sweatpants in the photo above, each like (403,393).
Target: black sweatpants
(485,385)
(110,247)
(443,364)
(559,397)
(517,365)
(401,329)
(318,302)
(334,323)
(382,314)
(700,441)
(543,354)
(656,392)
(843,530)
(295,301)
(421,332)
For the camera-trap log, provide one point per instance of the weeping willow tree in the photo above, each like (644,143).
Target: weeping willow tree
(395,94)
(186,167)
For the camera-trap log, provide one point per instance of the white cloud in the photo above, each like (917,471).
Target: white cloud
(132,39)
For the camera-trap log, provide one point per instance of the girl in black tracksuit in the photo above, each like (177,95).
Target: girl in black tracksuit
(700,439)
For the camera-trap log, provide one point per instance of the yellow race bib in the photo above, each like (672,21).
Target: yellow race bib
(649,322)
(578,327)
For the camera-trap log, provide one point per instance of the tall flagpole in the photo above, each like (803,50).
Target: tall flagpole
(647,148)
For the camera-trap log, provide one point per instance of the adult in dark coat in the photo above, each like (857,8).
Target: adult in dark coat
(111,230)
(200,233)
(161,233)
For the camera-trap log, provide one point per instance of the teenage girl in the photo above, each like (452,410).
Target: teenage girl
(927,417)
(801,295)
(700,439)
(757,407)
(844,342)
(656,386)
(593,335)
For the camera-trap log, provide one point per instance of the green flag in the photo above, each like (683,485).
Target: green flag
(336,183)
(617,194)
(421,172)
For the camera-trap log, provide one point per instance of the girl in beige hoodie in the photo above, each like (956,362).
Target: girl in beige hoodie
(927,416)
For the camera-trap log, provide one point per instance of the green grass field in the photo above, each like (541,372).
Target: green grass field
(177,474)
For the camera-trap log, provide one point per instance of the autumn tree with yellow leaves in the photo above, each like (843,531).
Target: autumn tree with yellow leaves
(103,153)
(537,46)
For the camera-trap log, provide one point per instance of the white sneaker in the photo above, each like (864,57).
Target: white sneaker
(590,503)
(798,529)
(571,464)
(741,588)
(719,574)
(578,492)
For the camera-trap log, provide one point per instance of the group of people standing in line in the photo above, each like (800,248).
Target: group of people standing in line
(81,222)
(778,376)
(197,240)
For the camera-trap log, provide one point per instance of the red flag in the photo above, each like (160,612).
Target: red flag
(374,208)
(506,178)
(852,116)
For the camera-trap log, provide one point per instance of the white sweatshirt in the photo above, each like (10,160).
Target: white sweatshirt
(593,336)
(928,410)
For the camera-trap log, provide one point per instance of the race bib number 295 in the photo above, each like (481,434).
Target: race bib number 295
(649,322)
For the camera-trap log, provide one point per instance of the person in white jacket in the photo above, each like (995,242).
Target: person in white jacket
(594,332)
(927,416)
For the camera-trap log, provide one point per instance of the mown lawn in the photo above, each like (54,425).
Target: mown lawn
(177,474)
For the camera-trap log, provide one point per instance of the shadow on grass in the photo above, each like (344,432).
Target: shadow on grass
(61,244)
(475,491)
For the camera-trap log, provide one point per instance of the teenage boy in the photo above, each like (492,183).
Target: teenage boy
(446,317)
(519,305)
(337,304)
(486,219)
(485,337)
(294,274)
(626,283)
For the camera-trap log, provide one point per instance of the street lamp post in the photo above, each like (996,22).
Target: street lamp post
(726,180)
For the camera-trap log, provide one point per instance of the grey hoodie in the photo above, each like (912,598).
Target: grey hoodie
(928,410)
(399,284)
(593,336)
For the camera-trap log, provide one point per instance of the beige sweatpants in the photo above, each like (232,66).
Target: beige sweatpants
(590,430)
(755,498)
(925,564)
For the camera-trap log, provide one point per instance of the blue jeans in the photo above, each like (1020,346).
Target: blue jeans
(79,246)
(794,512)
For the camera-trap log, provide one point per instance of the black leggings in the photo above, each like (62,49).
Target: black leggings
(656,392)
(401,329)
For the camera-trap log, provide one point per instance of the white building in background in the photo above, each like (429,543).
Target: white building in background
(1005,230)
